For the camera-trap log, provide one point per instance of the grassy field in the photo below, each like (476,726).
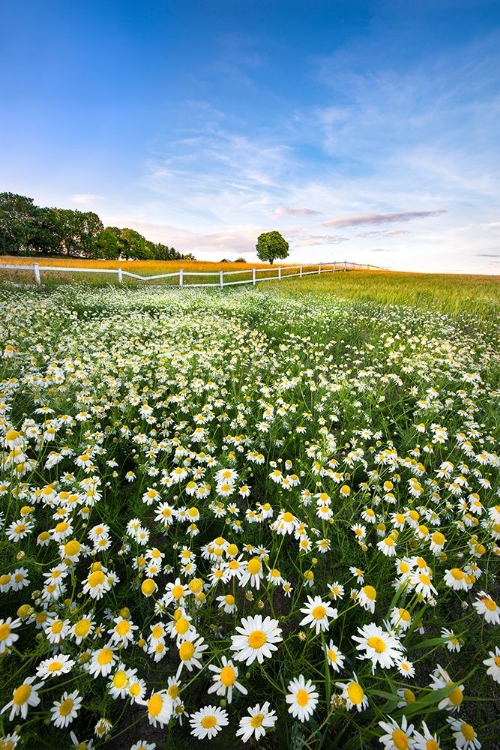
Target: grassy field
(268,516)
(451,293)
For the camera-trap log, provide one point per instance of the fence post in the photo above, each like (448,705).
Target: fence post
(345,265)
(300,271)
(279,273)
(253,276)
(319,267)
(120,276)
(222,279)
(36,270)
(181,276)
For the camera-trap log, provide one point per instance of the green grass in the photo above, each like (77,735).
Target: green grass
(450,293)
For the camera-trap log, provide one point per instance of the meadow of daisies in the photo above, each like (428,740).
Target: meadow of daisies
(244,519)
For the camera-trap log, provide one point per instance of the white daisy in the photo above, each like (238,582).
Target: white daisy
(494,664)
(208,721)
(464,734)
(317,614)
(397,737)
(57,665)
(353,694)
(23,696)
(379,646)
(225,679)
(260,718)
(257,639)
(488,608)
(302,697)
(64,711)
(335,657)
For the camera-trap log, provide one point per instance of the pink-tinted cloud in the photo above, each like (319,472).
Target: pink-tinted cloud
(375,219)
(308,240)
(241,241)
(383,233)
(283,211)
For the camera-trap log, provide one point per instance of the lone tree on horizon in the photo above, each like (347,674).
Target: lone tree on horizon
(271,245)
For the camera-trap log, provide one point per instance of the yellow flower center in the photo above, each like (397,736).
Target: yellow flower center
(400,739)
(377,644)
(256,639)
(82,628)
(468,731)
(355,693)
(332,655)
(21,695)
(72,548)
(254,566)
(186,651)
(57,626)
(123,627)
(178,592)
(424,579)
(66,707)
(120,679)
(302,698)
(456,696)
(227,676)
(182,626)
(490,604)
(409,696)
(96,579)
(105,656)
(319,612)
(4,631)
(62,526)
(229,599)
(256,721)
(370,592)
(457,574)
(288,517)
(54,666)
(438,538)
(155,704)
(173,691)
(208,722)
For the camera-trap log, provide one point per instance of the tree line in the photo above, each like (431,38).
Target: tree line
(27,229)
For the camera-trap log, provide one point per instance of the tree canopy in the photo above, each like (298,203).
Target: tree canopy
(271,245)
(27,229)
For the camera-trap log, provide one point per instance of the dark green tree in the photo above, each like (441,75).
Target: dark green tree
(134,245)
(19,219)
(78,231)
(107,245)
(271,245)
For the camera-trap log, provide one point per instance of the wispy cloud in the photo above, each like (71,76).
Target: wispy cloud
(375,219)
(320,239)
(283,211)
(488,255)
(383,233)
(240,241)
(86,198)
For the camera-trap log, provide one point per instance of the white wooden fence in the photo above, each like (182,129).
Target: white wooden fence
(222,278)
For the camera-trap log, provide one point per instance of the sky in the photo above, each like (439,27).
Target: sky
(362,130)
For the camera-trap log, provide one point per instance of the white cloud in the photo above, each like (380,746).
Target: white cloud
(87,198)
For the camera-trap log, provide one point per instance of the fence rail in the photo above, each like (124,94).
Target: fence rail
(252,274)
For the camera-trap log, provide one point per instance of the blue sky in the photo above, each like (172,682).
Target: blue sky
(361,130)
